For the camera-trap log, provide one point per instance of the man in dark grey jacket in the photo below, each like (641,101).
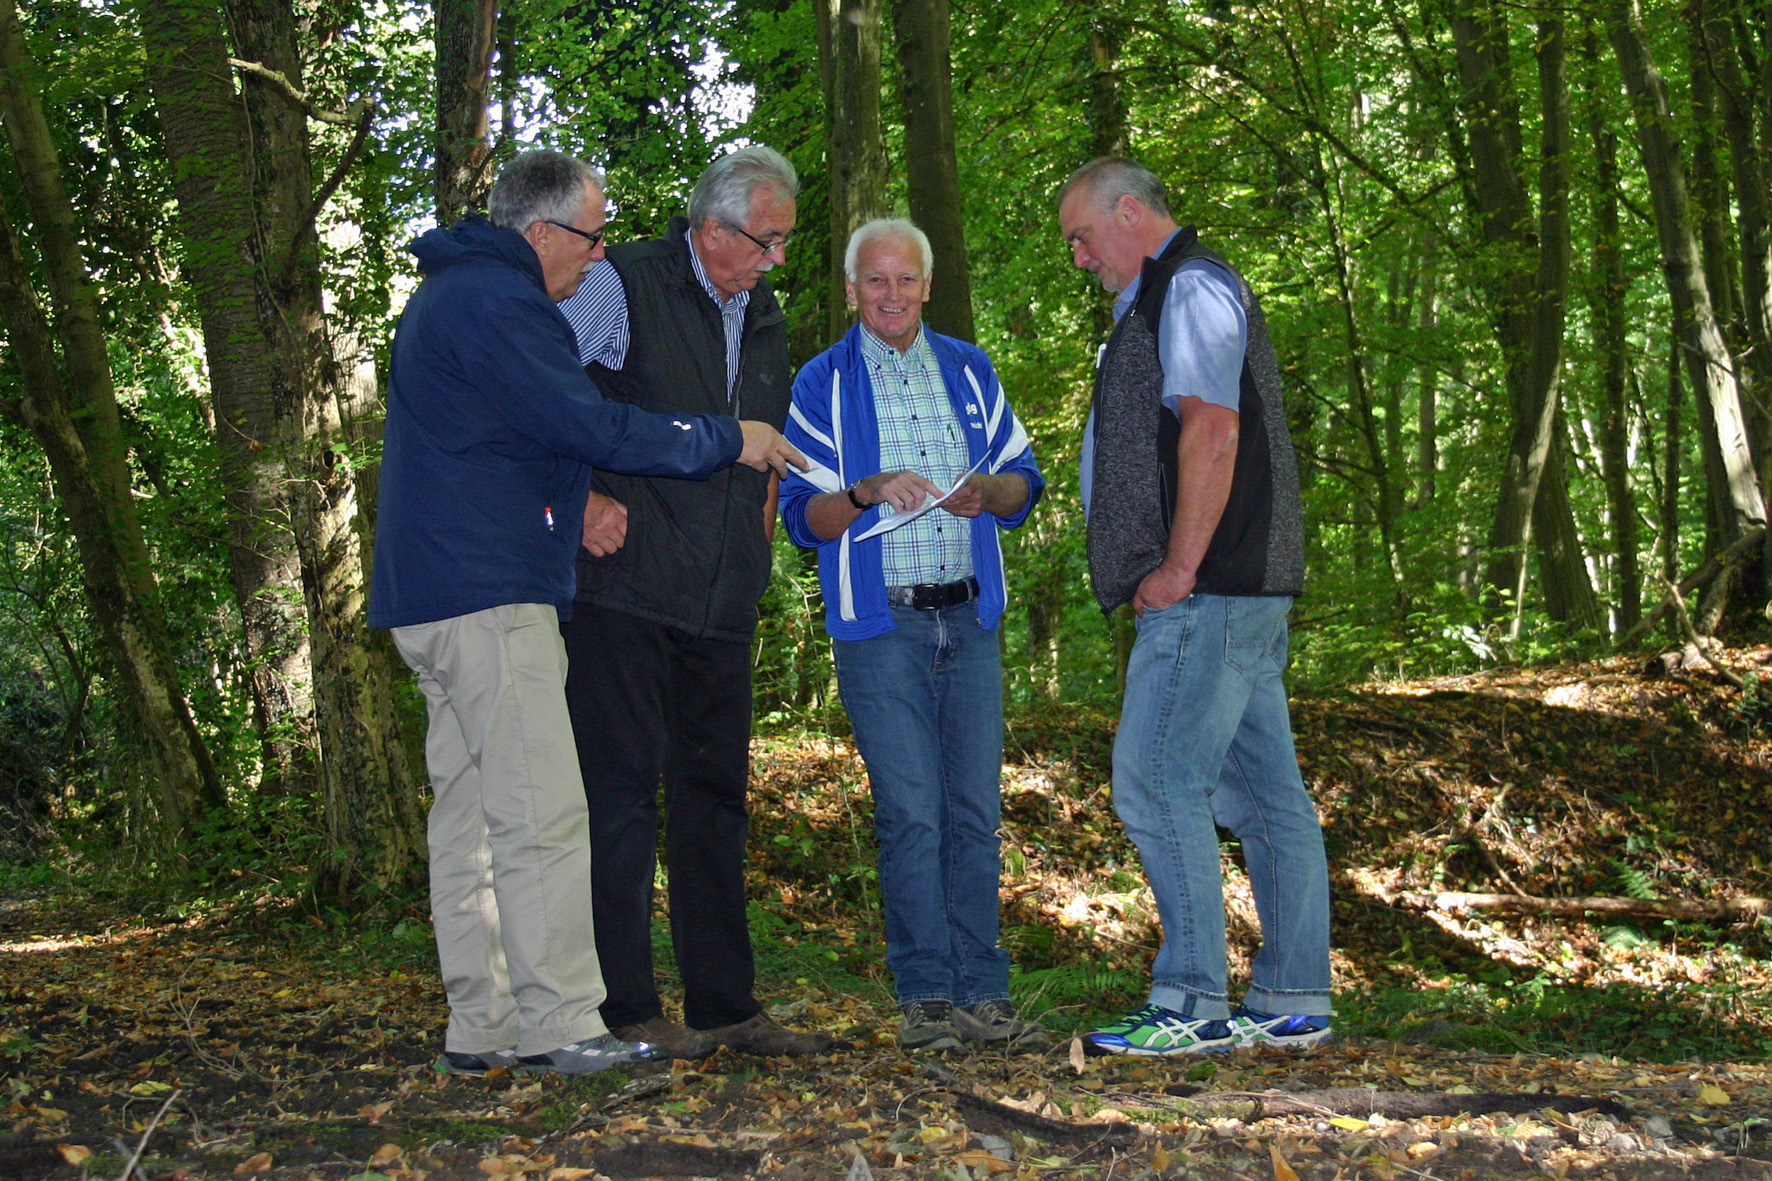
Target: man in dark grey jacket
(1191,492)
(669,581)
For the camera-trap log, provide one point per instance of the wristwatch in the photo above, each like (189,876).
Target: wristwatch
(850,491)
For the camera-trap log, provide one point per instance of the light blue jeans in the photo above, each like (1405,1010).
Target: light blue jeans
(1205,740)
(926,704)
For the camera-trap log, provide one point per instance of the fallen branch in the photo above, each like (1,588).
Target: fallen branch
(1713,566)
(152,1124)
(1358,1101)
(1687,909)
(997,1118)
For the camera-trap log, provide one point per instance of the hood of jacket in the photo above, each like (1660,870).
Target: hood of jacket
(474,239)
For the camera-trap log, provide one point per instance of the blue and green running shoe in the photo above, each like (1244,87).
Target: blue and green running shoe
(1156,1032)
(1252,1028)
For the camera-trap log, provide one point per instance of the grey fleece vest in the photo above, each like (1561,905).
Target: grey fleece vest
(1258,548)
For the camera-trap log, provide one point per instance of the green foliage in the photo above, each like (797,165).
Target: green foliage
(1542,1015)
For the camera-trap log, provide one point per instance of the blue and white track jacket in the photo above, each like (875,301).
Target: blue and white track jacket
(832,420)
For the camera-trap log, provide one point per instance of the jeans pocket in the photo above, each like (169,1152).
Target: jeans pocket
(1251,625)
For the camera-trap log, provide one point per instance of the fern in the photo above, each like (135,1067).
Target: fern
(1633,882)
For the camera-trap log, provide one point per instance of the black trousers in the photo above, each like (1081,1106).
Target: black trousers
(649,703)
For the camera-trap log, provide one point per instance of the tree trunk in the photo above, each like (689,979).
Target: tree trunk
(1531,294)
(466,31)
(1709,366)
(932,177)
(855,152)
(206,133)
(1670,480)
(1606,291)
(1529,287)
(1727,40)
(75,420)
(1562,569)
(277,382)
(1427,442)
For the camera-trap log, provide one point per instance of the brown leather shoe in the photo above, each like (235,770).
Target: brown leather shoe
(768,1038)
(668,1037)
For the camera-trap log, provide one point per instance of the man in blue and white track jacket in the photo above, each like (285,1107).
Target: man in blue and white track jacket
(921,464)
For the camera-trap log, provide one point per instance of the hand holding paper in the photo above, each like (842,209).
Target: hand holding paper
(887,523)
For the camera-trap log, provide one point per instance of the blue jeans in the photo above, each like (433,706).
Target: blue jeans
(926,704)
(1205,740)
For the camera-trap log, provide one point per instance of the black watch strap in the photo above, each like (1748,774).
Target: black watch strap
(860,507)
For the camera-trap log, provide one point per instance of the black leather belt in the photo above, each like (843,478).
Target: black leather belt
(933,596)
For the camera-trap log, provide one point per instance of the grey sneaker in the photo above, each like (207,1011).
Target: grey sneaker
(586,1057)
(928,1025)
(995,1023)
(474,1065)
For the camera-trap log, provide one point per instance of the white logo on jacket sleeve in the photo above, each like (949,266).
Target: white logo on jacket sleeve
(681,425)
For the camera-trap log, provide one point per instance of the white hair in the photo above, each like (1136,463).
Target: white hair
(728,189)
(887,227)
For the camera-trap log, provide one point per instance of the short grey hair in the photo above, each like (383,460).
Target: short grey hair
(725,191)
(540,186)
(1108,178)
(886,227)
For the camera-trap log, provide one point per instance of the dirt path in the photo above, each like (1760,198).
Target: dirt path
(250,1057)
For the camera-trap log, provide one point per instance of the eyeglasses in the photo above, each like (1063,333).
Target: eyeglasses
(780,243)
(591,236)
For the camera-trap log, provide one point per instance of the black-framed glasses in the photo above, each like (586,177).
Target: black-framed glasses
(591,236)
(779,244)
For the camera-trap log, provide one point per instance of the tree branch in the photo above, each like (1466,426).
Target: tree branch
(1713,566)
(1651,908)
(358,110)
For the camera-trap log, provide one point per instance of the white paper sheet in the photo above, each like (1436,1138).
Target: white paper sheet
(887,524)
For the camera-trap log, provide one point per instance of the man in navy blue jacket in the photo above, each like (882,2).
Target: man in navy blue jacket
(894,414)
(493,430)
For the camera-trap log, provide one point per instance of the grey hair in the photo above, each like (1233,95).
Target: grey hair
(540,186)
(1108,178)
(886,227)
(725,190)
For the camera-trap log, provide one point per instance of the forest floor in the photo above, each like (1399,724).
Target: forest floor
(242,1038)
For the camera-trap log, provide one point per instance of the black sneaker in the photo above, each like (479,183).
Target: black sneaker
(995,1023)
(474,1065)
(928,1025)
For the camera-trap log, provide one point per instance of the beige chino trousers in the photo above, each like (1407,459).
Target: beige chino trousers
(509,841)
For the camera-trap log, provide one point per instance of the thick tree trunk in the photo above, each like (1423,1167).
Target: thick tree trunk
(257,280)
(1606,291)
(855,152)
(1530,293)
(1726,41)
(215,194)
(932,176)
(466,31)
(1562,570)
(76,422)
(1709,366)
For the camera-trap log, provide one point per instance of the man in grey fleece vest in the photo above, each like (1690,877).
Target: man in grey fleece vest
(1191,492)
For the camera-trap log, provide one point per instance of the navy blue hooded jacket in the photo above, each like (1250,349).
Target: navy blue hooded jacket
(492,431)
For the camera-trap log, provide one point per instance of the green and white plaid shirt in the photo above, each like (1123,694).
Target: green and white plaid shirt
(919,433)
